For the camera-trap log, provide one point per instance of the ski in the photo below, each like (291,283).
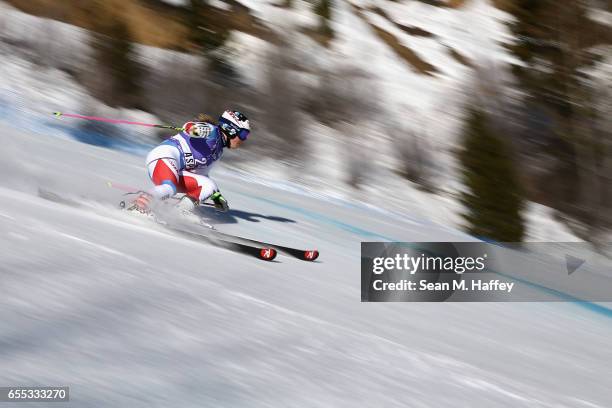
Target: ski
(308,255)
(260,252)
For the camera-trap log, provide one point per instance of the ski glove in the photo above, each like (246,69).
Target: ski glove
(219,201)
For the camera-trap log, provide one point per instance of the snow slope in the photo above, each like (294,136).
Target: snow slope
(130,315)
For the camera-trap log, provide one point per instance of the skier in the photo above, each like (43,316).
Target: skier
(181,163)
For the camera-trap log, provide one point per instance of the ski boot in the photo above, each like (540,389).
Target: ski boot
(141,204)
(187,208)
(219,201)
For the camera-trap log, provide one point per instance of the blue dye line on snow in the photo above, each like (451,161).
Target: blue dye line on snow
(591,306)
(319,217)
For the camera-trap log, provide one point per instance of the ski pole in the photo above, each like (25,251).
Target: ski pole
(116,121)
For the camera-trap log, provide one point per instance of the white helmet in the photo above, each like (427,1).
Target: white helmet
(234,124)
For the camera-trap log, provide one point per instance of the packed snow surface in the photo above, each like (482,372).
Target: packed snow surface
(130,315)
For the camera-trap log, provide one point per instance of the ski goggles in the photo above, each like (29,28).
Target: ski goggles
(232,132)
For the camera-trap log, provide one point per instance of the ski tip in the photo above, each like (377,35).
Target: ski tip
(267,254)
(311,255)
(58,114)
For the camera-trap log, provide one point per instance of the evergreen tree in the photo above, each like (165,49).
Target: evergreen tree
(205,32)
(323,9)
(114,53)
(493,199)
(555,42)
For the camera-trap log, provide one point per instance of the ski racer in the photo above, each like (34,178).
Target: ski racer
(181,164)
